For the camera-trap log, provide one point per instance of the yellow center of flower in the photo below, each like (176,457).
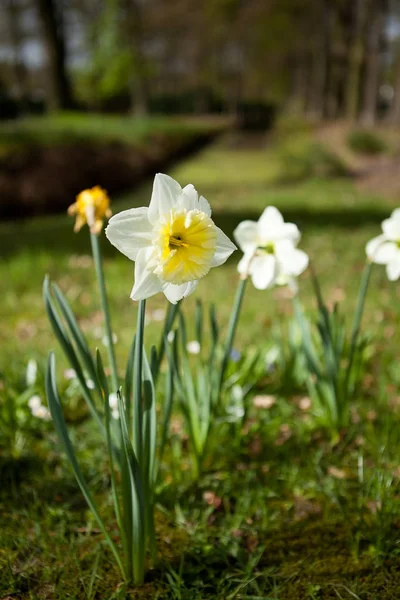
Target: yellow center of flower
(187,241)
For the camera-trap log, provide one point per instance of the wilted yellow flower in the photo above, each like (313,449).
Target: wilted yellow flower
(91,207)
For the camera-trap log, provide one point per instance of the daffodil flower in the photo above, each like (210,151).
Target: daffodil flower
(91,207)
(270,253)
(174,242)
(385,248)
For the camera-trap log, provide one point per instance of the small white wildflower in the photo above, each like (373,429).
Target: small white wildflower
(115,413)
(158,314)
(69,374)
(41,412)
(90,384)
(235,409)
(193,347)
(271,357)
(171,336)
(237,392)
(31,372)
(34,402)
(113,400)
(105,339)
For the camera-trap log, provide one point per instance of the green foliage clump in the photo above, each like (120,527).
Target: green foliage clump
(366,142)
(301,160)
(292,123)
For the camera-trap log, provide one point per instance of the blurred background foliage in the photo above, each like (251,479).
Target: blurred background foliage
(323,58)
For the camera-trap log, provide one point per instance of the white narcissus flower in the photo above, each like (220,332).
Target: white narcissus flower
(385,248)
(270,253)
(174,242)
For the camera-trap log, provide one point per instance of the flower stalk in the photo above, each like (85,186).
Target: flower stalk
(98,263)
(231,330)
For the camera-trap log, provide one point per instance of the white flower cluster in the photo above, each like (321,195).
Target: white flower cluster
(38,410)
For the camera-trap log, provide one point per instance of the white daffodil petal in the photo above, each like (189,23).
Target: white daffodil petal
(174,293)
(393,269)
(245,236)
(244,263)
(166,192)
(391,226)
(292,262)
(263,271)
(189,198)
(271,227)
(204,206)
(129,231)
(223,250)
(146,282)
(290,231)
(270,221)
(381,250)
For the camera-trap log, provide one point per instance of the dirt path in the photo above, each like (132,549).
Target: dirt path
(375,174)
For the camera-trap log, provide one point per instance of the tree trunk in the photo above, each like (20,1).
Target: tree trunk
(298,95)
(330,85)
(60,93)
(139,80)
(394,113)
(372,67)
(319,62)
(356,54)
(20,73)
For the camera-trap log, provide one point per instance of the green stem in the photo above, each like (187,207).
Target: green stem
(104,304)
(231,330)
(357,322)
(173,310)
(137,383)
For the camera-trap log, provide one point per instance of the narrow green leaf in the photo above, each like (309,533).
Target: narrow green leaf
(137,383)
(149,421)
(173,310)
(129,385)
(69,351)
(62,432)
(199,321)
(110,447)
(138,500)
(167,409)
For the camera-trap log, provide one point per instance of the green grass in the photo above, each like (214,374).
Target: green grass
(293,517)
(67,128)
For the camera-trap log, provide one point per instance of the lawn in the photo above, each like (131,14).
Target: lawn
(283,511)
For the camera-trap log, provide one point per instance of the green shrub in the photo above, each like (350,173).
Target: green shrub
(366,142)
(301,160)
(287,124)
